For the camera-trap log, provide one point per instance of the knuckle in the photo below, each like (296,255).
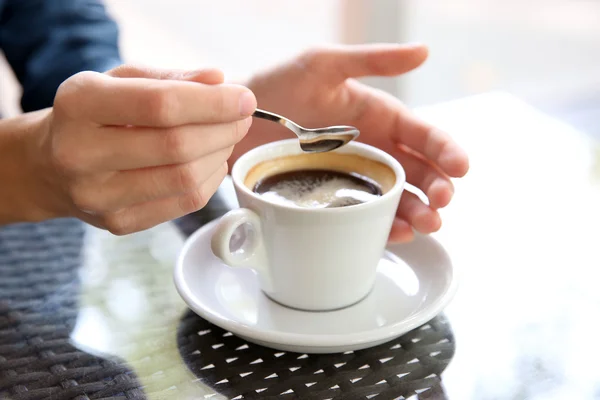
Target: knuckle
(375,67)
(62,99)
(64,160)
(313,56)
(217,104)
(200,197)
(194,201)
(174,145)
(126,70)
(310,55)
(228,153)
(118,224)
(161,105)
(69,92)
(224,170)
(186,178)
(239,130)
(82,200)
(86,199)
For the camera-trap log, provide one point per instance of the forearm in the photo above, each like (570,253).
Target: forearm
(23,197)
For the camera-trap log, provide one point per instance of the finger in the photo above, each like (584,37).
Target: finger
(147,215)
(159,103)
(142,185)
(434,144)
(401,232)
(352,61)
(417,214)
(437,187)
(386,114)
(391,119)
(123,148)
(209,76)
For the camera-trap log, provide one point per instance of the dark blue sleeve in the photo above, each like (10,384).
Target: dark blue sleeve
(47,41)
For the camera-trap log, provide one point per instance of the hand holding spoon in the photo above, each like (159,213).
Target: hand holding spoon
(314,140)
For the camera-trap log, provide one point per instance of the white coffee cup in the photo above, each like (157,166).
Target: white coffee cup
(309,258)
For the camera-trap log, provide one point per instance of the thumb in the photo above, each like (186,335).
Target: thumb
(208,76)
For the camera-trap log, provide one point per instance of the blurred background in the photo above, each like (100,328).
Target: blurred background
(544,51)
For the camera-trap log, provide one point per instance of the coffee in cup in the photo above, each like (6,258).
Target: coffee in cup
(321,180)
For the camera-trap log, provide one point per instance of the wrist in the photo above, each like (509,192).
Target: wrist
(24,196)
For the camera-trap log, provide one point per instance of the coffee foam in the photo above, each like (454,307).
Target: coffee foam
(341,162)
(325,191)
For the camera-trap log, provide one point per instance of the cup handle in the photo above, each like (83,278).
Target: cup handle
(250,251)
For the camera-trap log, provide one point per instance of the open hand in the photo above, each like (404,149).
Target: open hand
(318,88)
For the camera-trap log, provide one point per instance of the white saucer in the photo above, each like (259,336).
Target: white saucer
(415,282)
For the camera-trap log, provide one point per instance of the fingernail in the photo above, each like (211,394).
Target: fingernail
(247,104)
(202,71)
(192,73)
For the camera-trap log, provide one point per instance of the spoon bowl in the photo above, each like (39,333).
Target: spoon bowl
(314,140)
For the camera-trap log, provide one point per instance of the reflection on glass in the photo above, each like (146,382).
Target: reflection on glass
(130,310)
(235,299)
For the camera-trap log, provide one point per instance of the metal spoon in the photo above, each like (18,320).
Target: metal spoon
(314,140)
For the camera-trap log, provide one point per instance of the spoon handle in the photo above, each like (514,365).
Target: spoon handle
(269,116)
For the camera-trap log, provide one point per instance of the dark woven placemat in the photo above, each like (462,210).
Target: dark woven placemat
(39,289)
(409,365)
